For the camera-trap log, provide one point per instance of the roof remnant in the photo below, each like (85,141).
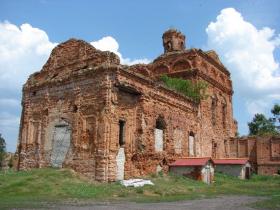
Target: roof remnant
(191,161)
(230,161)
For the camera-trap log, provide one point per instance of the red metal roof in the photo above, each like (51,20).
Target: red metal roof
(238,161)
(191,161)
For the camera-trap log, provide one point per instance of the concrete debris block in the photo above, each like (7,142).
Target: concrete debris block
(136,182)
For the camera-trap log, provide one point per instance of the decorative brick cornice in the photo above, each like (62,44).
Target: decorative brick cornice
(213,62)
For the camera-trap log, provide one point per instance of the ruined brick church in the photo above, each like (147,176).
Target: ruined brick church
(86,111)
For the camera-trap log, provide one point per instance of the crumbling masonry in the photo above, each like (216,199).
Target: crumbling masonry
(86,111)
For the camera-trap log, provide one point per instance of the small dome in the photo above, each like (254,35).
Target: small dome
(173,40)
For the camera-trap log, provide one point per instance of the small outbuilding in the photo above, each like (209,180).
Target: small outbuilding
(239,167)
(196,168)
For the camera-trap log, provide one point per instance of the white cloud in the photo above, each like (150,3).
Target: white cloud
(108,43)
(248,53)
(24,50)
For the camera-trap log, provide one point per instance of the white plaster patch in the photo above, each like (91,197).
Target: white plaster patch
(120,164)
(158,140)
(191,146)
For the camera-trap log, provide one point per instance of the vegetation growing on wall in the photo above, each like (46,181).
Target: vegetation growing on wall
(193,90)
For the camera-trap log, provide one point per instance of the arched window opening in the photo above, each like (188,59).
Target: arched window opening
(191,144)
(181,65)
(159,134)
(121,133)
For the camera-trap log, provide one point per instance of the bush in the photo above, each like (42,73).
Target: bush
(194,90)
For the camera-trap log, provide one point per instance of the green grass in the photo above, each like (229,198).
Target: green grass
(43,187)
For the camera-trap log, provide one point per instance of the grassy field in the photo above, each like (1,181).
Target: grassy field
(41,187)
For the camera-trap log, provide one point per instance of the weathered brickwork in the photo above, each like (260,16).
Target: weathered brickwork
(83,109)
(263,153)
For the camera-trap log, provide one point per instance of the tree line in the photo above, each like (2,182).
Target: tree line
(2,151)
(262,125)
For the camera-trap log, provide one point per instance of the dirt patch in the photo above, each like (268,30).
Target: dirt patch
(223,202)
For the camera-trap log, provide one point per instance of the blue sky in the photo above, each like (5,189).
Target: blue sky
(244,33)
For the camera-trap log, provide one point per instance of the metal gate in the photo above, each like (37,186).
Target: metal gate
(61,144)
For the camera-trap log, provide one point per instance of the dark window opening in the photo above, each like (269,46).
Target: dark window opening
(169,45)
(160,123)
(75,108)
(164,162)
(192,134)
(34,93)
(121,133)
(247,172)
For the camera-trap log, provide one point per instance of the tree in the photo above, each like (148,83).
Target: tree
(261,126)
(2,150)
(276,110)
(276,113)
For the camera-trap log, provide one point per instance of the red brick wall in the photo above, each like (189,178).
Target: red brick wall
(261,151)
(92,92)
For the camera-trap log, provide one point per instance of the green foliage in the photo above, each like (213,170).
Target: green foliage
(2,150)
(237,134)
(276,110)
(2,144)
(195,91)
(260,125)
